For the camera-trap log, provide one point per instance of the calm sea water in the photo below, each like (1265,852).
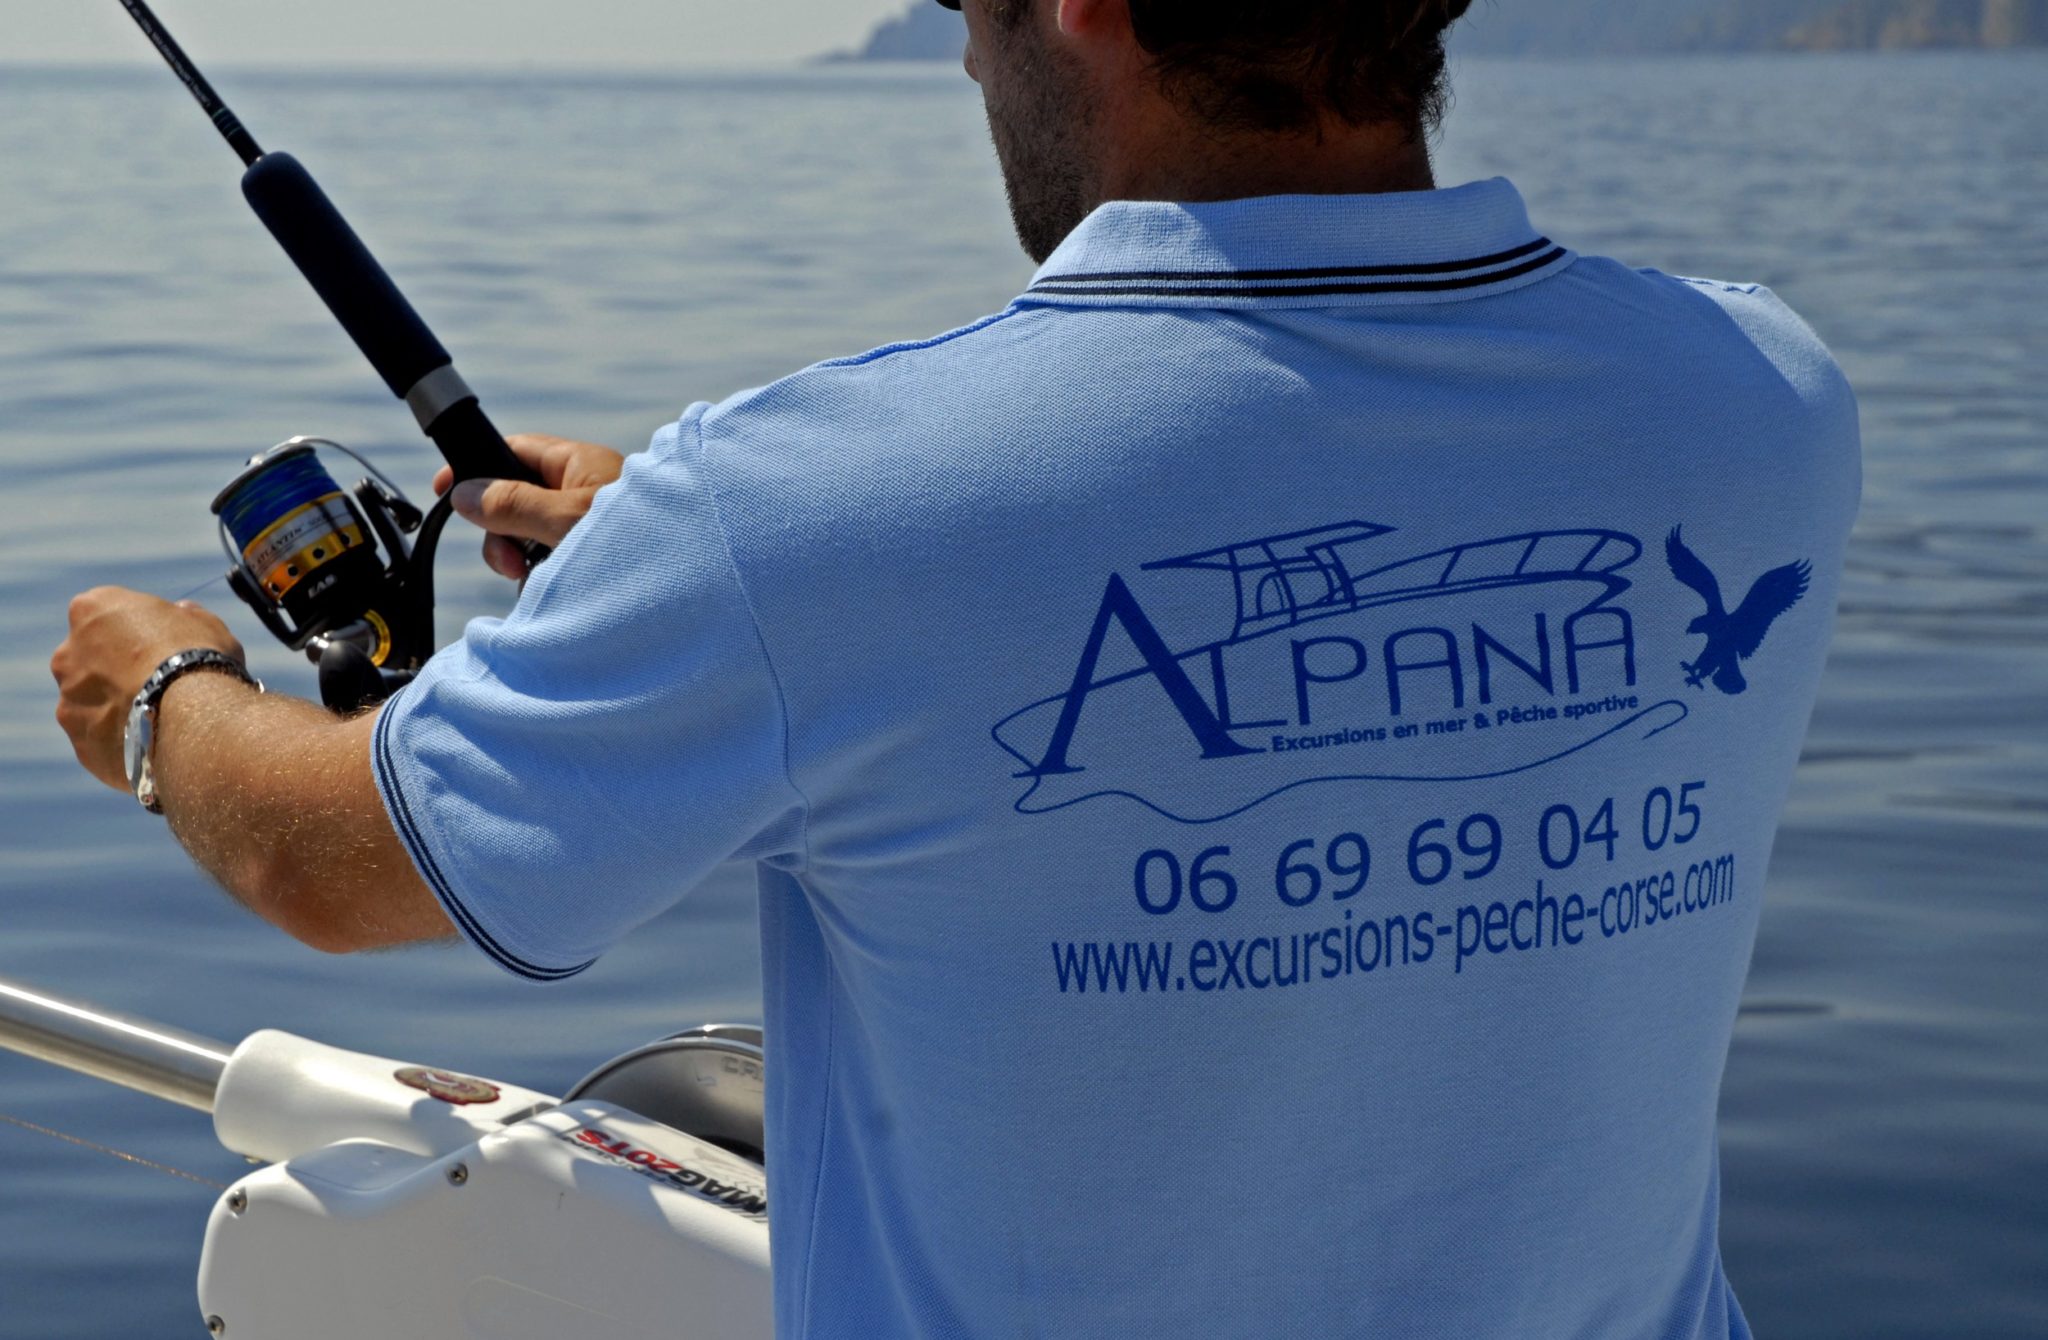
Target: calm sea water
(601,252)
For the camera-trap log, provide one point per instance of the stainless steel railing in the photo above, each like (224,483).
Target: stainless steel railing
(151,1058)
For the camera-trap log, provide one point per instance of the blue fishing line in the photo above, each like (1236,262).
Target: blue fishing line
(289,484)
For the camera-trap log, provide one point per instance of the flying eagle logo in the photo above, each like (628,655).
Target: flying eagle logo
(1732,638)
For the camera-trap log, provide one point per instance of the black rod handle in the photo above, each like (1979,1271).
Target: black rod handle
(371,309)
(464,432)
(381,321)
(342,271)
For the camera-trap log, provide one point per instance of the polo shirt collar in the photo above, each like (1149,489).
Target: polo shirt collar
(1301,251)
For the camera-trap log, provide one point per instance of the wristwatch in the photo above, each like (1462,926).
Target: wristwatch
(141,733)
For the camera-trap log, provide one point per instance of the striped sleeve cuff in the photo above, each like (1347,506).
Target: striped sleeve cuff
(413,835)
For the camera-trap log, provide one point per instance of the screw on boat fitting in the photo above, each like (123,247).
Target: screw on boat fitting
(458,1174)
(238,1201)
(215,1326)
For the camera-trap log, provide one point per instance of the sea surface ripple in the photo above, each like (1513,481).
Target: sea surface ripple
(600,252)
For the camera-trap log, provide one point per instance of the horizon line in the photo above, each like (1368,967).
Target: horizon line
(409,65)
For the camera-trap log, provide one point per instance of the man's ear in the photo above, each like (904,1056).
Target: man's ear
(1092,17)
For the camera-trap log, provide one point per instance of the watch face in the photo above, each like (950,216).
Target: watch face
(135,743)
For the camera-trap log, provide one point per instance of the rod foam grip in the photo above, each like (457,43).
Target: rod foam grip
(342,271)
(371,309)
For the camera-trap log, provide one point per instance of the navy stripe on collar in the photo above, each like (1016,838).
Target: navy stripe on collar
(1056,283)
(1230,283)
(1400,247)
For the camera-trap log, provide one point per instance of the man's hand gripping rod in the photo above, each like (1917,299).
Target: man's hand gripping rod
(412,362)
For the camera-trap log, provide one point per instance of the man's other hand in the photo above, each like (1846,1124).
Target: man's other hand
(118,638)
(571,474)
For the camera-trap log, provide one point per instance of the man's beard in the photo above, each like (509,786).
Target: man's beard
(1040,129)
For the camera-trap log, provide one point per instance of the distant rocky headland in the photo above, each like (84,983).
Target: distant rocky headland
(1863,25)
(927,32)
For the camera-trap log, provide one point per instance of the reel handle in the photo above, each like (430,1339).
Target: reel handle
(414,364)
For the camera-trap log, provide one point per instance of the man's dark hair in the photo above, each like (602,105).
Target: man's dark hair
(1285,64)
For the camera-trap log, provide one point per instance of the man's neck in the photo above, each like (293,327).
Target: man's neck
(1175,164)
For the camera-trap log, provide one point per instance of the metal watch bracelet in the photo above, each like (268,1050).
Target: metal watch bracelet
(140,736)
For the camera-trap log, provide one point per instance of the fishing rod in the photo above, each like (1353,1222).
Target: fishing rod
(305,554)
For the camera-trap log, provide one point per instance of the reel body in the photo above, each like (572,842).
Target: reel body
(330,572)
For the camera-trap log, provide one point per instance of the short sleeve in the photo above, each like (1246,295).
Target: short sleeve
(563,774)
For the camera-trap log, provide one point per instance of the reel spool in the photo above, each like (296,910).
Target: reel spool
(330,572)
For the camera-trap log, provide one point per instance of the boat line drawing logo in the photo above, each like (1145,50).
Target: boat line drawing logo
(1476,660)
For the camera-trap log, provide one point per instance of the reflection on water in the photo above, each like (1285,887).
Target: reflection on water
(602,253)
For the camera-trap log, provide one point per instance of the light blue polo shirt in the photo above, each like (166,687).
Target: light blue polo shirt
(1261,758)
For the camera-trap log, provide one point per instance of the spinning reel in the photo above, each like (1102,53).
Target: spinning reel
(331,573)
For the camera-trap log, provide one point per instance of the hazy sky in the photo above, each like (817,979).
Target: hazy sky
(545,33)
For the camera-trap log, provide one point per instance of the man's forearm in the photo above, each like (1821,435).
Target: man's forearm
(275,798)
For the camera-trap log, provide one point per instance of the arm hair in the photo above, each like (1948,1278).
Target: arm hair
(275,798)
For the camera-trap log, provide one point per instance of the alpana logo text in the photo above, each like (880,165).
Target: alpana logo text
(1324,654)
